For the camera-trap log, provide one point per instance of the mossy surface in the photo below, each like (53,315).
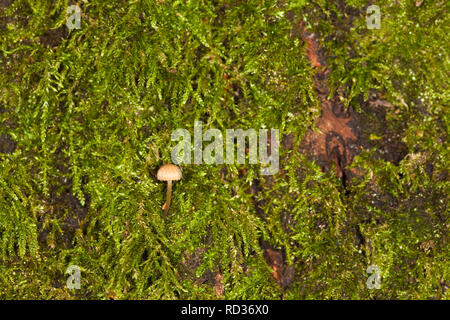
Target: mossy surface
(86,118)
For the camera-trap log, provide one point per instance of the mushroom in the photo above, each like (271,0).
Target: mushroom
(168,172)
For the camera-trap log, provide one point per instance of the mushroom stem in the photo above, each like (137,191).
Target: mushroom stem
(169,193)
(168,172)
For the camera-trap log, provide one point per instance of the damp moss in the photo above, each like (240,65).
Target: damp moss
(91,111)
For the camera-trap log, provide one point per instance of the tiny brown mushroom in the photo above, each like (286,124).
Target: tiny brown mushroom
(168,172)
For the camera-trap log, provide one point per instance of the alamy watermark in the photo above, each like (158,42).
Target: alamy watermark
(74,281)
(213,153)
(374,280)
(74,20)
(373,21)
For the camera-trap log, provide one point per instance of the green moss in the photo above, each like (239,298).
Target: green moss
(92,110)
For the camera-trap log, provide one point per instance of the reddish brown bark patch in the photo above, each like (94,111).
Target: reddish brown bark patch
(332,143)
(282,273)
(219,287)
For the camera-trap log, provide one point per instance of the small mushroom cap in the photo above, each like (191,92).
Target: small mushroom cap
(169,172)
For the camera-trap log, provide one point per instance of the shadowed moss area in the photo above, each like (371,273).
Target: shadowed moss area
(86,117)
